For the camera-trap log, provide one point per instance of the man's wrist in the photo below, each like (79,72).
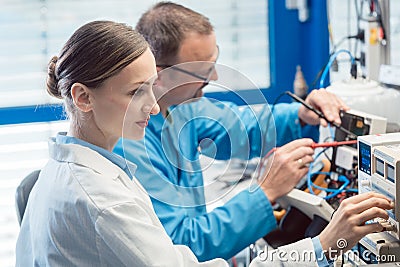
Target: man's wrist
(270,195)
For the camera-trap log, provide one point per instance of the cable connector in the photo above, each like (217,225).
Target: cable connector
(353,70)
(360,35)
(335,65)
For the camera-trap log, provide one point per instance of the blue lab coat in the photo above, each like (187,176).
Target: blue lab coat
(169,169)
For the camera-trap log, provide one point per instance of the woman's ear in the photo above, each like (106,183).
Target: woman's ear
(80,95)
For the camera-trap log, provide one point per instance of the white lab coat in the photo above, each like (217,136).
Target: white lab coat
(85,211)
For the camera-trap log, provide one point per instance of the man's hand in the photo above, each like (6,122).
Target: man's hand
(348,223)
(326,102)
(286,167)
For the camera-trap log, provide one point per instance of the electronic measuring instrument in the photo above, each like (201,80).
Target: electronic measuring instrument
(379,171)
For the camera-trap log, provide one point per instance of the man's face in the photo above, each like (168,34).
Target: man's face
(184,81)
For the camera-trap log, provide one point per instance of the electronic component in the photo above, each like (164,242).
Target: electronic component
(360,123)
(366,146)
(385,165)
(375,46)
(344,158)
(320,114)
(379,171)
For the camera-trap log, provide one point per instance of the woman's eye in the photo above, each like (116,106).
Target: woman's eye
(136,92)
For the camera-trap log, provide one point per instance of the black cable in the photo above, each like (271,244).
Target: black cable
(320,114)
(273,107)
(314,82)
(318,76)
(326,140)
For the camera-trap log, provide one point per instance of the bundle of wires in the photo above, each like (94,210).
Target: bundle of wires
(331,192)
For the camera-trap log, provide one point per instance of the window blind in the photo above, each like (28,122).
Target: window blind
(31,32)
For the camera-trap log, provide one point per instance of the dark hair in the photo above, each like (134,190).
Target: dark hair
(166,25)
(95,52)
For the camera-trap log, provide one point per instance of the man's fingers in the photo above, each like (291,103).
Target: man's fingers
(323,122)
(302,172)
(302,152)
(361,197)
(342,105)
(329,104)
(369,214)
(372,202)
(304,142)
(306,160)
(369,228)
(331,112)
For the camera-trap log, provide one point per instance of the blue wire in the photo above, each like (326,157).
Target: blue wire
(354,190)
(309,182)
(323,188)
(342,178)
(335,192)
(332,131)
(328,66)
(340,189)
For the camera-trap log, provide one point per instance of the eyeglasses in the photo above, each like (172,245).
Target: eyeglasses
(205,80)
(195,75)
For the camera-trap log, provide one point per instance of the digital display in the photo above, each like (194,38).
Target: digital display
(390,173)
(380,167)
(364,157)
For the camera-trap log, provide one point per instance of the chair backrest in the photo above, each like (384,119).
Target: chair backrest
(22,193)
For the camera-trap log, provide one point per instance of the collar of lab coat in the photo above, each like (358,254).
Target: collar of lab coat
(128,167)
(85,156)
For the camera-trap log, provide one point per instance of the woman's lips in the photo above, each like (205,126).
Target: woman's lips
(143,124)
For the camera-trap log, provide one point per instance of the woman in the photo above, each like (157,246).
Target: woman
(87,209)
(84,209)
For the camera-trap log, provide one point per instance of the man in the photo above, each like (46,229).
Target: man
(169,166)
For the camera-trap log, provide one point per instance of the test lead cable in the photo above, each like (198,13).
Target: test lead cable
(320,114)
(313,145)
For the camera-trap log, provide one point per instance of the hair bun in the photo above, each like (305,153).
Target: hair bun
(52,79)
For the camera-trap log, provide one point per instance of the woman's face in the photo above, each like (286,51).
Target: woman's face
(123,104)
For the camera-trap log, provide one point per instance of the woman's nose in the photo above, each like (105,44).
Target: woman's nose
(151,107)
(155,109)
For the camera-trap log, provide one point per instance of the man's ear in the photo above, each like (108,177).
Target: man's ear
(80,95)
